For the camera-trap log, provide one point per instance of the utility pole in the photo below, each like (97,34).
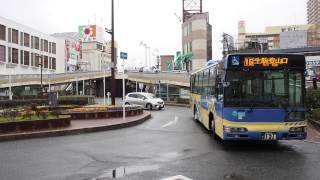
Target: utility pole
(113,81)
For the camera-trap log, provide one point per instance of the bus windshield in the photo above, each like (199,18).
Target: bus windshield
(264,89)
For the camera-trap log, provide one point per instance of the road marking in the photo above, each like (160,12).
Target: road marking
(179,177)
(175,121)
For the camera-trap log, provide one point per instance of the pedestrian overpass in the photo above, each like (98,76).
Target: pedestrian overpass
(179,79)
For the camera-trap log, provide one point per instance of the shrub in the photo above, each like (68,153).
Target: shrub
(27,114)
(313,98)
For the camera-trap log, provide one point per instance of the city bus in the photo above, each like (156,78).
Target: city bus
(252,97)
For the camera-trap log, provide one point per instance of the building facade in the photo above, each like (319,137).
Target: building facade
(24,50)
(313,11)
(279,37)
(197,39)
(166,62)
(72,46)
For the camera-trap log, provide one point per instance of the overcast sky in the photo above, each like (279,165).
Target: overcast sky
(152,21)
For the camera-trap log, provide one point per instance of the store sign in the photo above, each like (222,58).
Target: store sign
(265,61)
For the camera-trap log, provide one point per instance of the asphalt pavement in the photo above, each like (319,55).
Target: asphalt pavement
(170,144)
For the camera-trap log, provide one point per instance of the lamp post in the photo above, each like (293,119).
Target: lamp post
(111,32)
(146,48)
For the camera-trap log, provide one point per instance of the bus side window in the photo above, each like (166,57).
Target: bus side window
(219,89)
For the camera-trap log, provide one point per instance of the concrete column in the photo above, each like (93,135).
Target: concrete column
(167,92)
(10,89)
(77,87)
(136,86)
(83,87)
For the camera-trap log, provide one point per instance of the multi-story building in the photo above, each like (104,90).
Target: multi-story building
(313,11)
(95,53)
(72,46)
(278,37)
(24,50)
(197,39)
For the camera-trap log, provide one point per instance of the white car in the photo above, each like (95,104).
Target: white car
(147,100)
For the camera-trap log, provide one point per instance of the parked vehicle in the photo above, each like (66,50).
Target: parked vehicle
(147,100)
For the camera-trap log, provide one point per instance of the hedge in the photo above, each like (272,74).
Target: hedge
(62,100)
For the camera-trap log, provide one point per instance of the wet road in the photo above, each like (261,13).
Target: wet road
(169,144)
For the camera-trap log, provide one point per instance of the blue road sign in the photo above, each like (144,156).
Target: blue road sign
(123,55)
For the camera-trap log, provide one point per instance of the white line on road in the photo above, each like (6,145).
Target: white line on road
(175,121)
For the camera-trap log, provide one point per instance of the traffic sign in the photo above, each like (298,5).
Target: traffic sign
(123,55)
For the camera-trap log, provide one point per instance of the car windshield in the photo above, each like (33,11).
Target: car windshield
(263,89)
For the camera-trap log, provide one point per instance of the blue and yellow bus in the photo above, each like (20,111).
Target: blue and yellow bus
(252,97)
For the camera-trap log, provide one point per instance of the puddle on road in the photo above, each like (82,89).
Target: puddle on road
(123,171)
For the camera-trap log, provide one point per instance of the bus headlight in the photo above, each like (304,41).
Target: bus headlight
(234,129)
(297,129)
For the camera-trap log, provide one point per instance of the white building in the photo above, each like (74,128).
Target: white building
(72,46)
(23,50)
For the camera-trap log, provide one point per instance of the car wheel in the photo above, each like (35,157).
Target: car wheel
(160,108)
(126,103)
(149,106)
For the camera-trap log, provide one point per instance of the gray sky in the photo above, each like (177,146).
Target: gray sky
(152,21)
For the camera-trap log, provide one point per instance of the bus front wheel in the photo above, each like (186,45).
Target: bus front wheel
(195,114)
(212,127)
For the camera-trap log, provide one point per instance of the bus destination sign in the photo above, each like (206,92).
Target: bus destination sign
(251,62)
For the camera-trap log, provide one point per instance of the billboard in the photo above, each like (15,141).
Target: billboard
(90,33)
(293,39)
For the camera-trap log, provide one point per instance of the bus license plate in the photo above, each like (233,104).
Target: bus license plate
(269,136)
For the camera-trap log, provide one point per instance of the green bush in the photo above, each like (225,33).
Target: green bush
(316,114)
(313,98)
(62,100)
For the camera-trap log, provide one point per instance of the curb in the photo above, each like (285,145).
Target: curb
(11,137)
(178,105)
(316,124)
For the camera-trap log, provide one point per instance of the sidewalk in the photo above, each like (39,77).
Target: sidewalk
(313,134)
(80,126)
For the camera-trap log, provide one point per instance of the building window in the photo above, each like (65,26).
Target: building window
(53,63)
(2,53)
(32,42)
(54,48)
(36,42)
(21,38)
(37,60)
(15,55)
(9,35)
(41,45)
(9,54)
(15,36)
(45,44)
(45,62)
(26,40)
(26,58)
(32,59)
(2,32)
(21,56)
(190,46)
(50,47)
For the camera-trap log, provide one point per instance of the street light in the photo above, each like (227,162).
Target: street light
(111,32)
(146,47)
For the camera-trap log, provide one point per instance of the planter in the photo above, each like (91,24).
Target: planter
(105,114)
(34,125)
